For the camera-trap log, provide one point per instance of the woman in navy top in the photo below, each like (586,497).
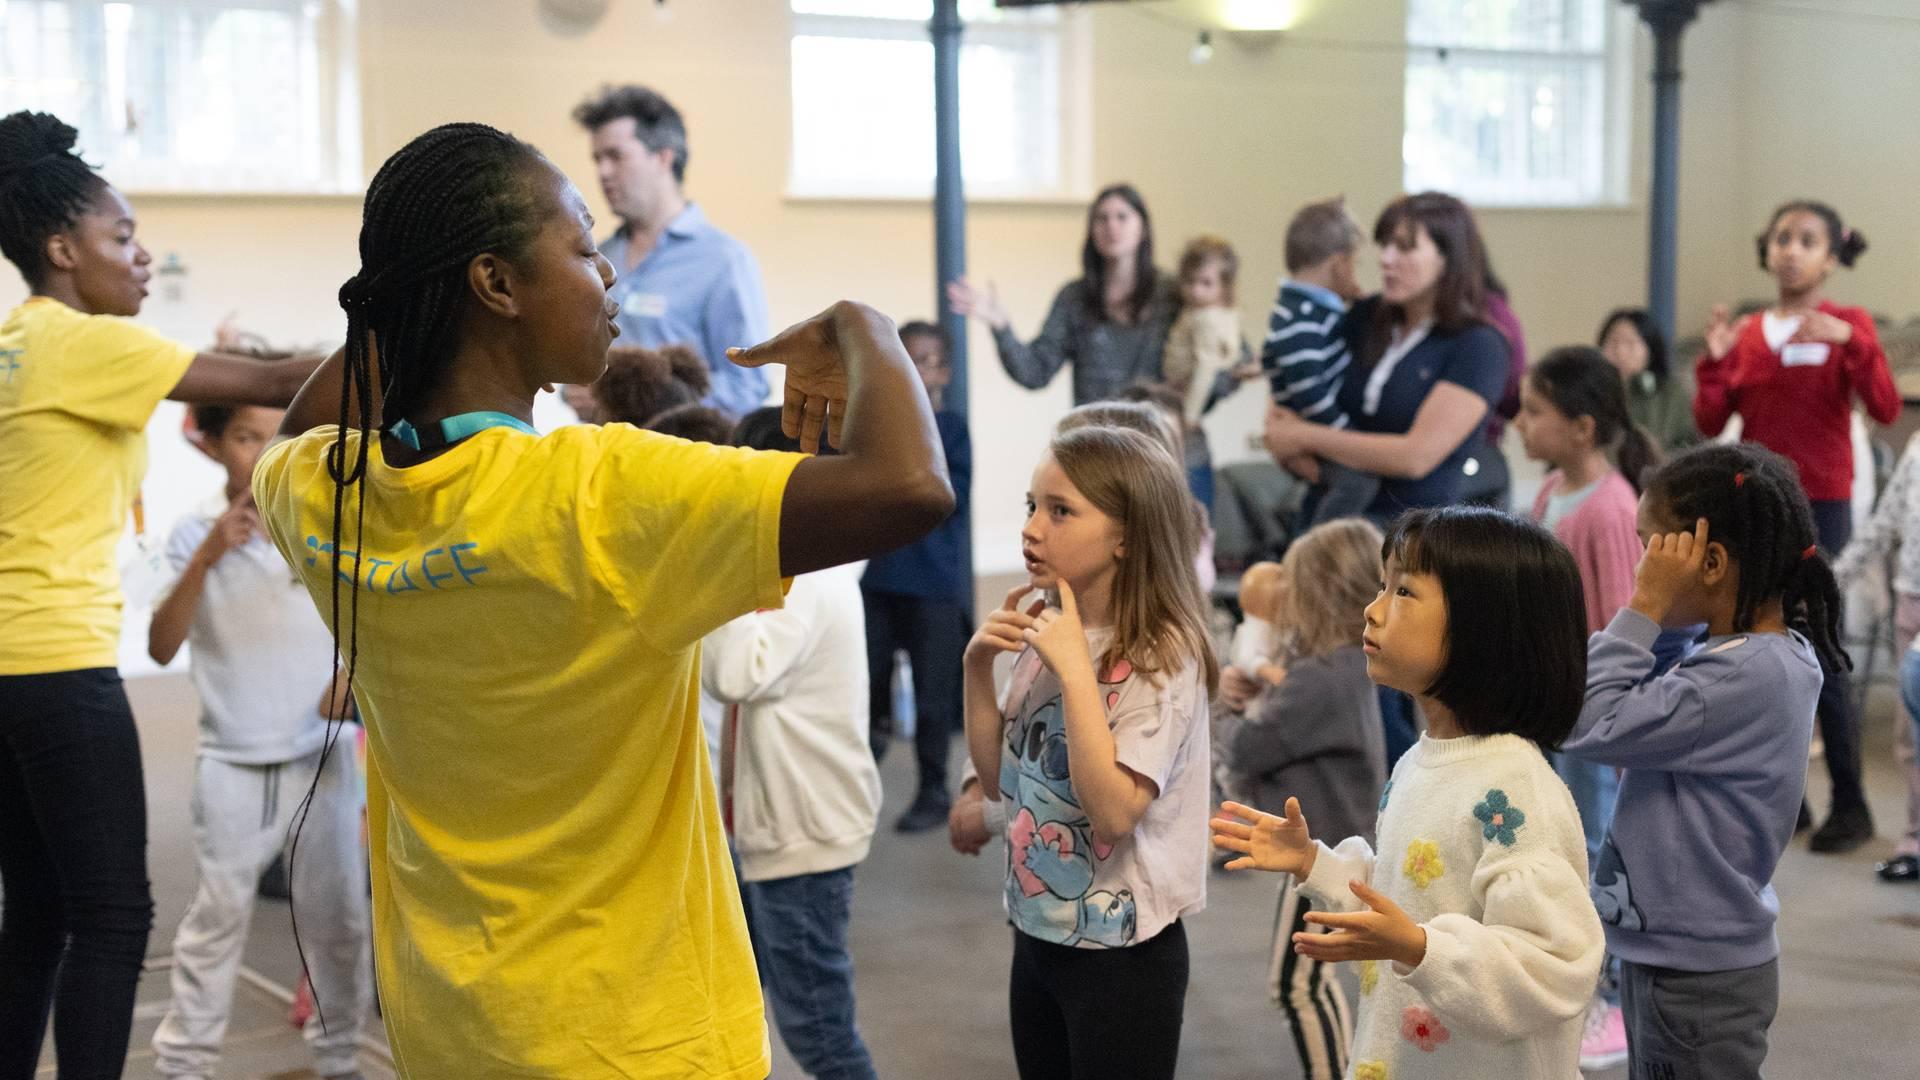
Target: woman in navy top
(1428,368)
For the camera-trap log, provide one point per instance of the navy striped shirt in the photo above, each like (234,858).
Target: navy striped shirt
(1305,356)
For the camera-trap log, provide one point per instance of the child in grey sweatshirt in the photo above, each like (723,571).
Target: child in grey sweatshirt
(1314,734)
(1715,754)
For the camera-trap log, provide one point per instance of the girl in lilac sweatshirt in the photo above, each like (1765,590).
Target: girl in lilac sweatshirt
(1573,416)
(1714,752)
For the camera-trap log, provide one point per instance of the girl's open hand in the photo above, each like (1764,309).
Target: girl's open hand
(1383,932)
(1004,629)
(1059,638)
(1723,332)
(1824,329)
(1265,842)
(1670,569)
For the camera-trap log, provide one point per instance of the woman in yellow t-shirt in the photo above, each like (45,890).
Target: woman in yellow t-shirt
(77,385)
(521,617)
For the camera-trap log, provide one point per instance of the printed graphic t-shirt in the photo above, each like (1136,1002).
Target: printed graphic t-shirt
(552,891)
(1065,887)
(76,392)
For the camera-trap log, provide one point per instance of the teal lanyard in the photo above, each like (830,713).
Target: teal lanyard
(454,428)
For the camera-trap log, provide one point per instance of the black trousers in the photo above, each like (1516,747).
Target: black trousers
(73,866)
(1098,1014)
(934,633)
(1839,721)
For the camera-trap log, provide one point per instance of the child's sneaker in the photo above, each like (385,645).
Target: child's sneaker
(1605,1043)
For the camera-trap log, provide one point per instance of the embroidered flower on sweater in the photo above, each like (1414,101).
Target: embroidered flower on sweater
(1369,976)
(1499,819)
(1369,1070)
(1423,1029)
(1423,866)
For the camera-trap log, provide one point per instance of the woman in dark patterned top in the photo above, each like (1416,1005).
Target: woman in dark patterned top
(1110,323)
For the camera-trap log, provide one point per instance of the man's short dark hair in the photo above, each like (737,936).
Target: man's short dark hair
(656,123)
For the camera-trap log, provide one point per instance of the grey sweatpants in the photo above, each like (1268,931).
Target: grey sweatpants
(1697,1025)
(241,818)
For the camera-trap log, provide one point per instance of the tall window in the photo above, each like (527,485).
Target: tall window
(863,100)
(1517,102)
(194,95)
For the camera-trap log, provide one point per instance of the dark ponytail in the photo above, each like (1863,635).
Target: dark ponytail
(1636,455)
(1579,381)
(1847,244)
(1755,508)
(44,188)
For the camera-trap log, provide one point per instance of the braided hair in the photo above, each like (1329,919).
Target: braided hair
(1753,504)
(44,188)
(452,194)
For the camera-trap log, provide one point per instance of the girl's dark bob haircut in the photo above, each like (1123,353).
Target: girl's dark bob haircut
(1516,619)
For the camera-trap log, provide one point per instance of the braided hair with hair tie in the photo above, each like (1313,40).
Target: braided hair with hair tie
(1754,507)
(44,188)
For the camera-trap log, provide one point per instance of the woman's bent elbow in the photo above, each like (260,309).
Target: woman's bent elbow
(926,501)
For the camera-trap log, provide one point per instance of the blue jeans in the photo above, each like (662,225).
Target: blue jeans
(1594,787)
(799,930)
(1910,689)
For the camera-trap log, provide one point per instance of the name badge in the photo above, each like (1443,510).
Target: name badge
(645,305)
(1804,354)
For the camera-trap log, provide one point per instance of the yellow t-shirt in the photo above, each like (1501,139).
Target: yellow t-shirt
(552,891)
(76,392)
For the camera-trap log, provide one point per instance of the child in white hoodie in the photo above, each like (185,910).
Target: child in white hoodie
(799,790)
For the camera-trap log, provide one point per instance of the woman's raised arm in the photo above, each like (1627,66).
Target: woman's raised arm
(849,377)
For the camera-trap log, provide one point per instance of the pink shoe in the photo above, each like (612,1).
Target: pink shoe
(1605,1043)
(302,1008)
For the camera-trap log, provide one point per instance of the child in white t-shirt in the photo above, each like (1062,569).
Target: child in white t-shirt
(261,657)
(1099,751)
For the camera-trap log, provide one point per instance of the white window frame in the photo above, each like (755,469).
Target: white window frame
(1615,60)
(331,152)
(1071,33)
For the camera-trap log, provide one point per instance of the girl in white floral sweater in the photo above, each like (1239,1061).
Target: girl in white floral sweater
(1477,942)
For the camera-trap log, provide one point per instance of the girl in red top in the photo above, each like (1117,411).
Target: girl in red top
(1792,372)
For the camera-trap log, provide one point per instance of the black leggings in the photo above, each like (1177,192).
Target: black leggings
(1097,1014)
(73,864)
(1839,720)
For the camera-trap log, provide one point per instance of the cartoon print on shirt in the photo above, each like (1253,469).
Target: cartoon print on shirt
(1612,892)
(1051,851)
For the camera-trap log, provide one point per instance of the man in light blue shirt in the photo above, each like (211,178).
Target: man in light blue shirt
(681,281)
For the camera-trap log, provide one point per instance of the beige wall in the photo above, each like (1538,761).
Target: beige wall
(1775,104)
